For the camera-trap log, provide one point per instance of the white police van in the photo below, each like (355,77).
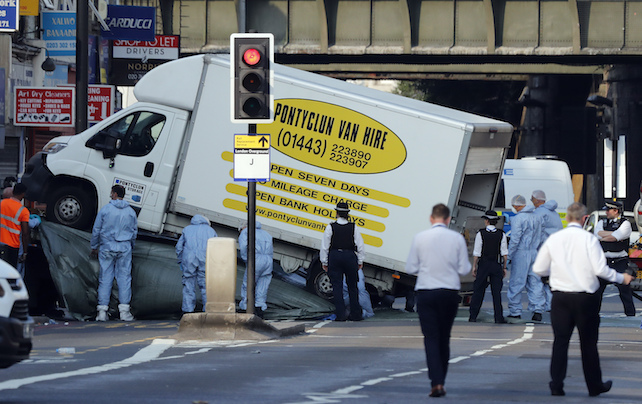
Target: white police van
(523,176)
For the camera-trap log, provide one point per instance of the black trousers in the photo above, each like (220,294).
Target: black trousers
(437,309)
(626,293)
(340,263)
(581,310)
(9,254)
(488,272)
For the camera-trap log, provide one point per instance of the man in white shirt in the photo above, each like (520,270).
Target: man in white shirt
(614,234)
(574,261)
(438,256)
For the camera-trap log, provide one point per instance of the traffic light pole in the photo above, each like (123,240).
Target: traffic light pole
(82,64)
(251,237)
(252,100)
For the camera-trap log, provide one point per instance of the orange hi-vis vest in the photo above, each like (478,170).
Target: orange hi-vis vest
(11,214)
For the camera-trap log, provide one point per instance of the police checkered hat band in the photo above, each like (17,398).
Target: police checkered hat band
(613,205)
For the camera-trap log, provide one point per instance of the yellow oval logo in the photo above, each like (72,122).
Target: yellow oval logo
(333,137)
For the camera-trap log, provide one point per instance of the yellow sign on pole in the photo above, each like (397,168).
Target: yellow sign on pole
(29,7)
(261,142)
(252,157)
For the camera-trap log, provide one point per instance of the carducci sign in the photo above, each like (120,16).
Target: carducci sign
(131,23)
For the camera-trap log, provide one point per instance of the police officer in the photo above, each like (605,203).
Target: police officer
(490,255)
(342,253)
(614,233)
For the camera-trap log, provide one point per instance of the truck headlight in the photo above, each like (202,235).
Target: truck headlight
(55,147)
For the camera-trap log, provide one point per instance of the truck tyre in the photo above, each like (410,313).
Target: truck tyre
(71,206)
(319,282)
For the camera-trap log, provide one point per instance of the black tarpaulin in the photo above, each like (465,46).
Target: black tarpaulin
(156,280)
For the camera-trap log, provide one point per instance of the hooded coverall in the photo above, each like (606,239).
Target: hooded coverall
(526,233)
(551,219)
(364,296)
(191,251)
(115,231)
(262,268)
(551,223)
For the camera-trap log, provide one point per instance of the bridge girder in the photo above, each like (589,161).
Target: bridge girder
(520,36)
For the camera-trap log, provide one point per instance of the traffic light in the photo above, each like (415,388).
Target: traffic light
(251,73)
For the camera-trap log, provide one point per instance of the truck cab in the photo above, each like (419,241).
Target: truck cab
(16,327)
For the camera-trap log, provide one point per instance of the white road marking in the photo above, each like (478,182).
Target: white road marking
(147,354)
(372,382)
(337,395)
(411,373)
(347,390)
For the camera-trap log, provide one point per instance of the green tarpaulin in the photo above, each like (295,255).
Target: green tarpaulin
(156,280)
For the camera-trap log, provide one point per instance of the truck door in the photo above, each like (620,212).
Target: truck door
(131,152)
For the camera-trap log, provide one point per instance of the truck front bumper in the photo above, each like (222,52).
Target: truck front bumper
(36,177)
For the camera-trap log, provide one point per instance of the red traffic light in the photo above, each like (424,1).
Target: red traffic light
(251,57)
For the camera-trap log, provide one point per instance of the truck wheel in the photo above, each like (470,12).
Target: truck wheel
(319,282)
(72,207)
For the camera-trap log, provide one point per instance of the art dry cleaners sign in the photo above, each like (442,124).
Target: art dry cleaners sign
(131,23)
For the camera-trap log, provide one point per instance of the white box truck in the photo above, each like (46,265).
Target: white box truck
(391,158)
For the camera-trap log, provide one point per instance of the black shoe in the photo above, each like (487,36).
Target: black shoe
(258,312)
(472,320)
(410,309)
(501,321)
(537,317)
(556,391)
(606,386)
(630,314)
(355,318)
(437,391)
(341,319)
(516,317)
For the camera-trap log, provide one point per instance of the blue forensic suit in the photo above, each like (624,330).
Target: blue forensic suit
(191,251)
(262,267)
(364,296)
(551,222)
(114,235)
(526,233)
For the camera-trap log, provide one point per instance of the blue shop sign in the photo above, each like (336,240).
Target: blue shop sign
(9,15)
(59,32)
(131,23)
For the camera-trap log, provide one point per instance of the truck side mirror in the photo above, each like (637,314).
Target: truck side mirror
(106,141)
(109,147)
